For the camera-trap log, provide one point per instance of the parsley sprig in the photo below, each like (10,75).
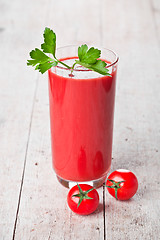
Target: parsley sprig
(88,58)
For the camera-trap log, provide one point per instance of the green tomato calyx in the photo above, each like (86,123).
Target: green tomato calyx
(82,194)
(116,186)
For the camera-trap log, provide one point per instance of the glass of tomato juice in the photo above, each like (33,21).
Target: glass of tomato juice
(81,119)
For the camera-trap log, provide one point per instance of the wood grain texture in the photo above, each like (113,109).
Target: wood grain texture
(51,218)
(137,114)
(33,203)
(18,84)
(43,210)
(155,7)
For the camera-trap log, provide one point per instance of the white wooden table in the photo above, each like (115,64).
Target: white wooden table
(32,202)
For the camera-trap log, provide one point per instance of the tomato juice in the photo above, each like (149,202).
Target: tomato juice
(81,118)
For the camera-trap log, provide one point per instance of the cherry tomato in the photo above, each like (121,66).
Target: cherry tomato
(122,184)
(83,199)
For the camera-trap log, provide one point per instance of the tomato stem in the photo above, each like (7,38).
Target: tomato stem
(82,195)
(116,186)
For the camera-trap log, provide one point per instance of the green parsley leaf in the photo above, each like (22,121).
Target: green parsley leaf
(100,67)
(32,62)
(82,51)
(45,66)
(90,56)
(89,59)
(49,45)
(41,61)
(38,56)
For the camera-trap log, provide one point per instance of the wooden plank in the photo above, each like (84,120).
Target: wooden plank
(126,27)
(17,91)
(155,5)
(43,209)
(137,118)
(75,22)
(44,213)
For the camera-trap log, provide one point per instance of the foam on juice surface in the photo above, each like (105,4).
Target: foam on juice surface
(79,72)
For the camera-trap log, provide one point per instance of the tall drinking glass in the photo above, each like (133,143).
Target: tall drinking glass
(81,118)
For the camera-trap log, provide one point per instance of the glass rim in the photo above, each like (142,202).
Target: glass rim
(101,48)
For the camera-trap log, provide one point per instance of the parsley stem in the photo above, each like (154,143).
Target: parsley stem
(73,67)
(64,64)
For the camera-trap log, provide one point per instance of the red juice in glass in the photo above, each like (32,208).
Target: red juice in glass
(81,118)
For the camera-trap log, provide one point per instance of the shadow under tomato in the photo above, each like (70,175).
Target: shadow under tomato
(98,210)
(113,203)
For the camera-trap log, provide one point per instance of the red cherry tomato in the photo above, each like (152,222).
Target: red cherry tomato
(122,184)
(83,199)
